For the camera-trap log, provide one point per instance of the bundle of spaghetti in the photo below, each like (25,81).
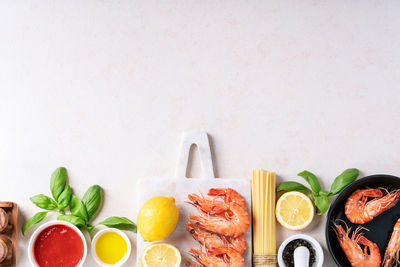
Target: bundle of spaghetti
(263,206)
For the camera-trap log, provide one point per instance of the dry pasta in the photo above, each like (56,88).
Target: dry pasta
(263,206)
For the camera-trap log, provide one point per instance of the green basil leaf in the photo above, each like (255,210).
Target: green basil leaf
(312,180)
(65,197)
(322,203)
(78,209)
(38,217)
(44,202)
(75,220)
(343,180)
(58,182)
(92,200)
(90,229)
(323,193)
(293,186)
(121,223)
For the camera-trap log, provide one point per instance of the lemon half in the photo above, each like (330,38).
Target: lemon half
(161,255)
(294,210)
(157,218)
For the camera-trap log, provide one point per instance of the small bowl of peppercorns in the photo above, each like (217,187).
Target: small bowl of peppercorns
(287,248)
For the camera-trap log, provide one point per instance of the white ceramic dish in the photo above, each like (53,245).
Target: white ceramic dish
(50,223)
(124,236)
(319,254)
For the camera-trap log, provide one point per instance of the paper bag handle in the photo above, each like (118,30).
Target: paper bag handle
(200,139)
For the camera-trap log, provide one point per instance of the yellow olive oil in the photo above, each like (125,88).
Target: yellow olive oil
(111,247)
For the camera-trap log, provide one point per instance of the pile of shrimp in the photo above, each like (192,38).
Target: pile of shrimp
(219,228)
(360,209)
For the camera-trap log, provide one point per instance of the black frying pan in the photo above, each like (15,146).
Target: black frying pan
(380,228)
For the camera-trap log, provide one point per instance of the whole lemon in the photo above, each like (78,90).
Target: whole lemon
(157,218)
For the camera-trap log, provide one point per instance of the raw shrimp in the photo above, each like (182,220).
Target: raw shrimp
(234,223)
(190,264)
(219,257)
(351,247)
(228,194)
(211,240)
(205,259)
(238,243)
(210,206)
(393,248)
(359,210)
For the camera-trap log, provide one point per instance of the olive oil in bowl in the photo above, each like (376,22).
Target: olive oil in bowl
(111,247)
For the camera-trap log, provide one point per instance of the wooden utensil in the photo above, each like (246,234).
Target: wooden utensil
(8,234)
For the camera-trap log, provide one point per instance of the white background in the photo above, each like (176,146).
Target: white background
(105,88)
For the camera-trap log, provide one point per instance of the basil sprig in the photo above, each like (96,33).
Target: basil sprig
(78,209)
(75,220)
(121,223)
(319,196)
(312,180)
(84,210)
(293,186)
(79,212)
(344,179)
(92,200)
(38,217)
(65,198)
(58,182)
(44,202)
(61,192)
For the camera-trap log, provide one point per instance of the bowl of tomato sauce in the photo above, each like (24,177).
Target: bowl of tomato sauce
(57,243)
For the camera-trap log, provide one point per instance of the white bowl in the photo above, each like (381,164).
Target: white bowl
(124,236)
(50,223)
(319,254)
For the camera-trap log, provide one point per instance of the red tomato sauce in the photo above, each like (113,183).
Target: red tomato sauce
(58,246)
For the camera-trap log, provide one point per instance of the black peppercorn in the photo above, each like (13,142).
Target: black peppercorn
(288,252)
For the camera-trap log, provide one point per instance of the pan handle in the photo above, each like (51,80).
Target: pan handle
(200,139)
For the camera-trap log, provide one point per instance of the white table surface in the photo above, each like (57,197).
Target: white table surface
(105,88)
